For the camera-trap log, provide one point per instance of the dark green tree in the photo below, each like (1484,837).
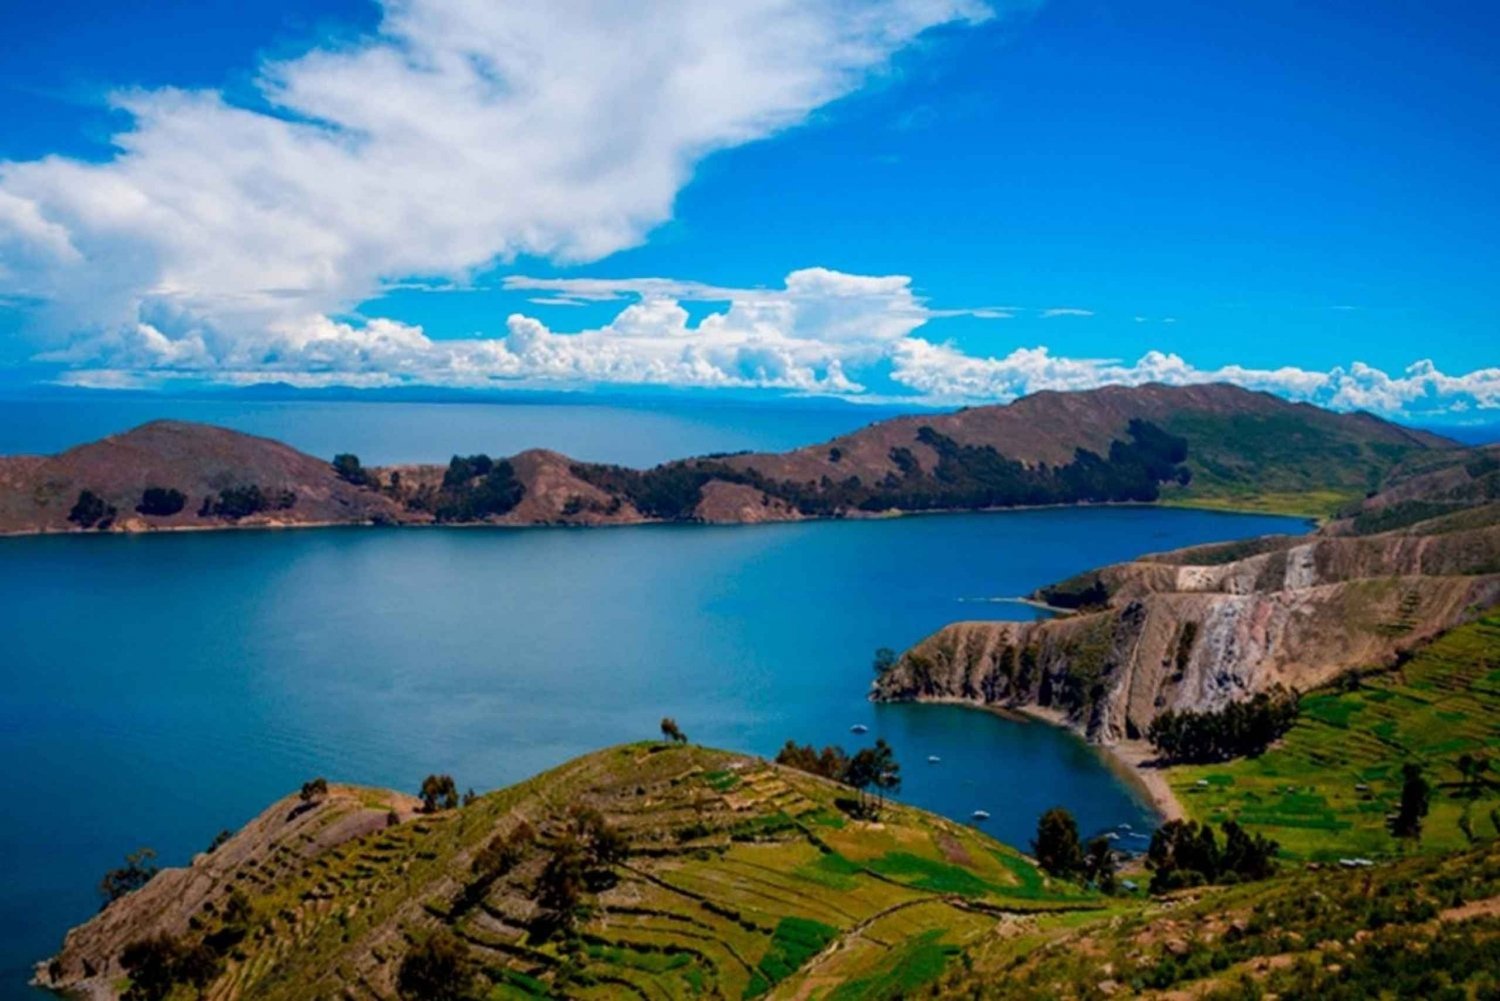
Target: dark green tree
(348,468)
(315,789)
(887,775)
(91,511)
(161,502)
(1056,846)
(1100,865)
(1415,797)
(438,793)
(437,969)
(138,870)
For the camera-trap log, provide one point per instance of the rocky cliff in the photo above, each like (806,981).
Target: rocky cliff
(1197,628)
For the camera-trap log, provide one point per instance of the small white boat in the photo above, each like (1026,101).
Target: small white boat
(933,759)
(981,815)
(859,728)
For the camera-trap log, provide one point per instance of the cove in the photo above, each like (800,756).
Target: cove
(159,688)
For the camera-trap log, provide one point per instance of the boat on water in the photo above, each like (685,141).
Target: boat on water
(933,759)
(859,728)
(981,815)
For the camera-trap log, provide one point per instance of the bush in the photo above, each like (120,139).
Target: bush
(348,468)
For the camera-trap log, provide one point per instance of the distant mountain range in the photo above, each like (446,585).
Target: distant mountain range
(1214,444)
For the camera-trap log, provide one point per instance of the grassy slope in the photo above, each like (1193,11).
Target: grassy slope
(1281,463)
(751,902)
(1424,927)
(1306,792)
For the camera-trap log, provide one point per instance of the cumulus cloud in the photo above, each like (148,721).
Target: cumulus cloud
(464,133)
(942,372)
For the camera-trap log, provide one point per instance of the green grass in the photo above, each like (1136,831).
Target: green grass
(1324,791)
(915,964)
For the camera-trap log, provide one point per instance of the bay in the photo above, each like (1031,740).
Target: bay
(156,689)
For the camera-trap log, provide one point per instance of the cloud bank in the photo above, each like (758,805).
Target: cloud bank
(229,243)
(465,133)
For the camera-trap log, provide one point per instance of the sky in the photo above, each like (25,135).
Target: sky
(941,201)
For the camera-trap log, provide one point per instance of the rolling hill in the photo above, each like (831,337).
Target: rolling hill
(1213,444)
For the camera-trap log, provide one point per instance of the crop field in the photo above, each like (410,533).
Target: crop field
(1325,790)
(742,879)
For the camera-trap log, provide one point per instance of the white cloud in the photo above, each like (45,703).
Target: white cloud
(941,372)
(1048,314)
(466,132)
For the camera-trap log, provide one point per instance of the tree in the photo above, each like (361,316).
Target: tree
(1100,865)
(437,969)
(348,468)
(831,762)
(158,963)
(1472,768)
(90,511)
(859,775)
(138,870)
(1415,794)
(315,789)
(885,659)
(887,775)
(671,731)
(161,502)
(438,793)
(1056,846)
(1247,856)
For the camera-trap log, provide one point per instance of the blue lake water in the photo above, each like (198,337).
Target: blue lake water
(154,690)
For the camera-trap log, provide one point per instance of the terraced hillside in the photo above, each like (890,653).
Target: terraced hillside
(730,877)
(1324,791)
(1423,928)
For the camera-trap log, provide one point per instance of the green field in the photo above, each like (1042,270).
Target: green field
(1324,791)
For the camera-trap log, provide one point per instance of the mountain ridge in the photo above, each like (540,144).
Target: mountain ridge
(1213,444)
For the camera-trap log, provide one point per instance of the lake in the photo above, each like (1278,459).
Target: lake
(157,689)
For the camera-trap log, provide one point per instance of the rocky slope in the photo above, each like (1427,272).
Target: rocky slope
(729,877)
(1216,444)
(1197,628)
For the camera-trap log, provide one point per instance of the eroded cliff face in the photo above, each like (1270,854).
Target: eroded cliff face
(1196,630)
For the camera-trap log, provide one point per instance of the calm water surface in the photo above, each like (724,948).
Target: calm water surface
(156,689)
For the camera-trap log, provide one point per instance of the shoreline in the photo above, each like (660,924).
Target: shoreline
(1127,759)
(1312,525)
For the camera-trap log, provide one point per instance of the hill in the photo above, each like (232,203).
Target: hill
(697,873)
(1199,628)
(204,477)
(1213,444)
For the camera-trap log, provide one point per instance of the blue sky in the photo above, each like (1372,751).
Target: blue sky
(930,199)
